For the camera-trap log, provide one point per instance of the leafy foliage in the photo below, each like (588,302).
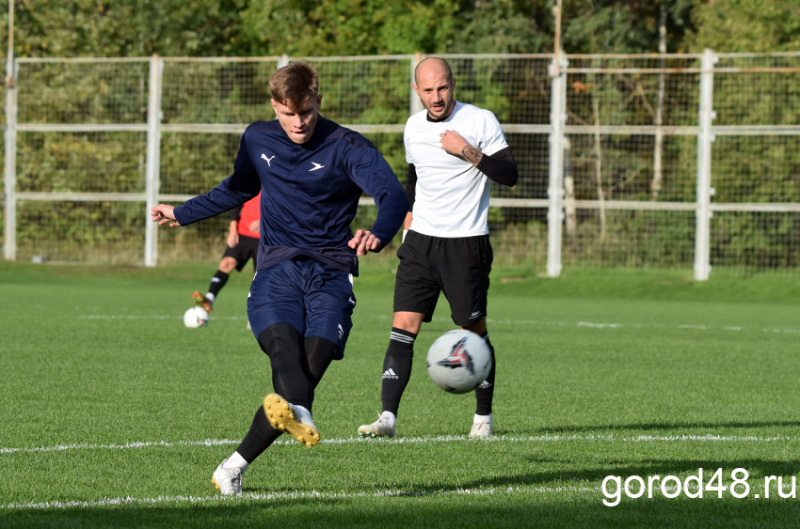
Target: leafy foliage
(516,90)
(746,26)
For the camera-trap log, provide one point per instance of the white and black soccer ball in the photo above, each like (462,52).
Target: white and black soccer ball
(195,317)
(459,361)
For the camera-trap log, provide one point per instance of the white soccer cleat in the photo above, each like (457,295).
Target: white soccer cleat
(380,428)
(294,420)
(228,480)
(481,429)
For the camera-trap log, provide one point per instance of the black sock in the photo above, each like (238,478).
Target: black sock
(320,353)
(217,282)
(287,357)
(396,368)
(258,439)
(485,392)
(261,435)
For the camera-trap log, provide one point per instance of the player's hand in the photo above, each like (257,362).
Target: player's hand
(255,226)
(233,240)
(453,142)
(364,241)
(163,214)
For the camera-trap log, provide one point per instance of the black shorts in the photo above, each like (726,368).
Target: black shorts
(242,252)
(459,267)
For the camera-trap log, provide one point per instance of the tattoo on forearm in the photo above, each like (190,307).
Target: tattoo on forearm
(472,155)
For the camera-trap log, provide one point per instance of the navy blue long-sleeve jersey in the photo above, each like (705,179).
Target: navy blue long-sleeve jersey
(310,192)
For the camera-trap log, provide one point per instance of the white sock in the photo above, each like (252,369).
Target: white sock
(482,418)
(210,297)
(389,417)
(236,460)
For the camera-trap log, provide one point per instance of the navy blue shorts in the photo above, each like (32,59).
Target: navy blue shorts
(312,297)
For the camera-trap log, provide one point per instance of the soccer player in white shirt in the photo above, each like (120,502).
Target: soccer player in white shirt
(453,150)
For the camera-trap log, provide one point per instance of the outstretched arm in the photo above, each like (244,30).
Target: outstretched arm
(163,214)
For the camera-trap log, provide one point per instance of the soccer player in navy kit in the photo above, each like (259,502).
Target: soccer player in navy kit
(311,173)
(453,150)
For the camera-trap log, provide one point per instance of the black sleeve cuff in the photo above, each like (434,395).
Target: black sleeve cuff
(411,185)
(500,167)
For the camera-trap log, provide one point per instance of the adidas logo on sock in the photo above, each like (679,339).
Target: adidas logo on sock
(484,385)
(389,373)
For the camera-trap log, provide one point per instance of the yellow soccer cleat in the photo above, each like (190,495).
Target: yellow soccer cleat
(294,420)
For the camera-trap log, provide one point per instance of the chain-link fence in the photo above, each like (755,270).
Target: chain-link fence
(674,161)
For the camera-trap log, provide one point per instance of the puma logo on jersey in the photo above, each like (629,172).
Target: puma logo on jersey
(264,157)
(316,166)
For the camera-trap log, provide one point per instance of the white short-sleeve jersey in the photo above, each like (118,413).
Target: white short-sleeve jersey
(452,196)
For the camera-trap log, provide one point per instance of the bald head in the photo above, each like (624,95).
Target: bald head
(433,66)
(434,84)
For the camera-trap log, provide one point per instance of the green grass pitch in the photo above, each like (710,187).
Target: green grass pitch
(112,414)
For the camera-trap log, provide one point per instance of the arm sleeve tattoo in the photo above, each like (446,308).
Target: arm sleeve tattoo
(472,155)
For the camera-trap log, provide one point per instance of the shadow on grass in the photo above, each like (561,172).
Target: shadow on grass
(548,499)
(421,512)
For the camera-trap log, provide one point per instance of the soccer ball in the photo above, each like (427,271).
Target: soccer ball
(195,317)
(459,361)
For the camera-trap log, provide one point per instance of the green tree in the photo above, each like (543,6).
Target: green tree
(93,28)
(746,26)
(630,26)
(345,27)
(502,26)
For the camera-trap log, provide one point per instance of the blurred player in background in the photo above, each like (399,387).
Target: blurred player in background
(453,150)
(312,173)
(241,246)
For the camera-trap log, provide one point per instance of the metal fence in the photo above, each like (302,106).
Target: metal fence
(660,161)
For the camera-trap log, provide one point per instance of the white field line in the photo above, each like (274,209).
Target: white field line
(295,495)
(300,495)
(417,440)
(148,317)
(479,491)
(615,326)
(584,324)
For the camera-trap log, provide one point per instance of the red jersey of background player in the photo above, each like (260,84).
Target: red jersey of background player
(251,212)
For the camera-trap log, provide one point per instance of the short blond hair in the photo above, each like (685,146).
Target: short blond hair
(294,84)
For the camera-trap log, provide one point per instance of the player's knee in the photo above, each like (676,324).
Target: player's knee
(278,338)
(320,353)
(479,327)
(321,348)
(227,265)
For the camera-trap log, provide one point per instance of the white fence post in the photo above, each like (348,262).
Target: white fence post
(555,189)
(702,245)
(10,176)
(153,170)
(414,104)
